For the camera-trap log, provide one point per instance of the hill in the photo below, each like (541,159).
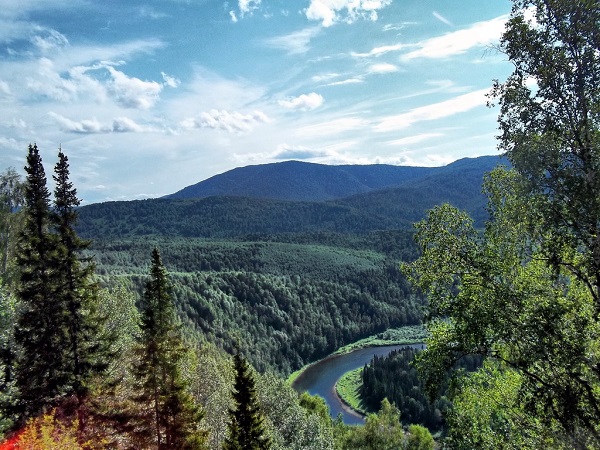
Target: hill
(302,181)
(232,216)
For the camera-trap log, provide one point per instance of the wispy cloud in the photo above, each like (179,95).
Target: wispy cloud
(304,102)
(382,68)
(442,19)
(447,108)
(294,43)
(94,126)
(412,140)
(333,127)
(378,51)
(285,152)
(329,12)
(232,122)
(479,34)
(354,80)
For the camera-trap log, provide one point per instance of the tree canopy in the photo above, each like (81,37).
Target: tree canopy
(525,292)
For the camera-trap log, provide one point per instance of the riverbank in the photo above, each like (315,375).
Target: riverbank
(410,334)
(347,389)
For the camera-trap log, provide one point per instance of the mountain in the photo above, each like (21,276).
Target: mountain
(233,216)
(302,181)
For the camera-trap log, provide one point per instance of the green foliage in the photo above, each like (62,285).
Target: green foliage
(289,425)
(77,289)
(168,417)
(394,377)
(283,317)
(56,329)
(42,370)
(382,431)
(419,438)
(246,429)
(487,414)
(526,293)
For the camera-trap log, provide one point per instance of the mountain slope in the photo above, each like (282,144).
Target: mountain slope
(295,180)
(231,216)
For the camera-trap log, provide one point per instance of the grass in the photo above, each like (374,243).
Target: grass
(410,334)
(348,389)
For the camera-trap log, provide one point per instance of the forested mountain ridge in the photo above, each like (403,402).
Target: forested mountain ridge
(233,216)
(302,181)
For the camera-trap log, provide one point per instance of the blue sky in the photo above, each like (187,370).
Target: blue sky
(148,97)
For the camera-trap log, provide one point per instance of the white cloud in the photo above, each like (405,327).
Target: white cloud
(382,68)
(131,92)
(285,152)
(294,43)
(354,80)
(378,51)
(170,81)
(248,6)
(94,126)
(411,140)
(51,40)
(83,126)
(325,77)
(329,12)
(479,34)
(442,19)
(333,127)
(234,18)
(304,102)
(127,125)
(232,122)
(447,108)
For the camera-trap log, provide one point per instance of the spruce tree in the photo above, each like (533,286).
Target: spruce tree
(246,428)
(77,288)
(169,417)
(40,334)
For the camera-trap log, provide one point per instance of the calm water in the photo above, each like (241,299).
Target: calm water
(320,378)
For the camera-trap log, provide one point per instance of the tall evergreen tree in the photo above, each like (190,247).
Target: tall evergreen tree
(40,335)
(246,429)
(77,289)
(169,418)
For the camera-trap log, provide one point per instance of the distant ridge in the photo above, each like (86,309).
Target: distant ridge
(302,181)
(389,198)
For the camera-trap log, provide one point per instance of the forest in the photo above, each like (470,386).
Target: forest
(122,329)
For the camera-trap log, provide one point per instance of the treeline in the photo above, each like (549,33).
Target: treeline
(394,377)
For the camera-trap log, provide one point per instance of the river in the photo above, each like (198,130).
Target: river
(320,378)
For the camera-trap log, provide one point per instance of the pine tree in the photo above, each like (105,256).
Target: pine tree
(40,334)
(77,289)
(169,417)
(246,428)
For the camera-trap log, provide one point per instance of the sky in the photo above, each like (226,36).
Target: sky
(148,97)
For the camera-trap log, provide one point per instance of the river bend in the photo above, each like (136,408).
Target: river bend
(320,378)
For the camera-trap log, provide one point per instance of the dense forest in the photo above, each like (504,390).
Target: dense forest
(150,335)
(288,304)
(394,377)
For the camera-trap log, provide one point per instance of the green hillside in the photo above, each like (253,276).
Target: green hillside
(286,303)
